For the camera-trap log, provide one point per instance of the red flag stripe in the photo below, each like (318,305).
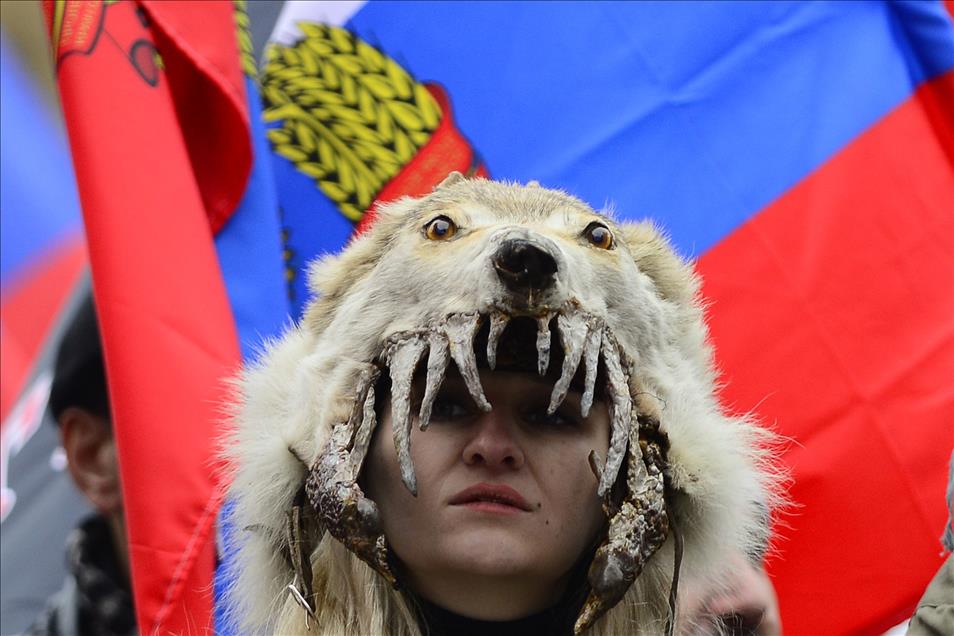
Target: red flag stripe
(865,245)
(29,307)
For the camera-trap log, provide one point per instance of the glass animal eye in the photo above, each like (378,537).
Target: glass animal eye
(440,229)
(599,235)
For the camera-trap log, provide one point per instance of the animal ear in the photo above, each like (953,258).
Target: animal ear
(675,278)
(451,179)
(331,276)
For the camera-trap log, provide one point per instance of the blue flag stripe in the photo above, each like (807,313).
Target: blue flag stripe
(708,104)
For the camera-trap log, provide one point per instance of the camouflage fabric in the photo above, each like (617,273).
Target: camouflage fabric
(935,613)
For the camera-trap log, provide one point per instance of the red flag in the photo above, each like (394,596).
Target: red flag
(854,267)
(155,108)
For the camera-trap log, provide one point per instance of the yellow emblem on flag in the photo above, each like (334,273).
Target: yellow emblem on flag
(351,116)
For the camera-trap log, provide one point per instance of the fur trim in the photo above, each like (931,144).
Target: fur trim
(393,279)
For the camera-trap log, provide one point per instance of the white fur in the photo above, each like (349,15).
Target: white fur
(393,279)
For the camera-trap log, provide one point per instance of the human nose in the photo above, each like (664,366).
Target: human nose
(493,443)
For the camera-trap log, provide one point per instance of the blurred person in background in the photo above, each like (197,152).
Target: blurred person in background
(96,597)
(934,615)
(748,606)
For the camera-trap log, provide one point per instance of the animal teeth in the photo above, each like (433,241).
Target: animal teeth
(436,367)
(543,344)
(596,464)
(365,380)
(637,529)
(402,360)
(498,322)
(636,473)
(573,332)
(460,330)
(620,407)
(591,361)
(362,438)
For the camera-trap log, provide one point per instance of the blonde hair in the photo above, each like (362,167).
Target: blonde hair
(350,598)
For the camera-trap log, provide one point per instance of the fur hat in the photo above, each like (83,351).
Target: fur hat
(435,280)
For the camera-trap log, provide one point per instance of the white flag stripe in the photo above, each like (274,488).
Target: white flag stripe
(325,12)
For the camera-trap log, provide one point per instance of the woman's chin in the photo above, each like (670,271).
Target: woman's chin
(494,579)
(491,552)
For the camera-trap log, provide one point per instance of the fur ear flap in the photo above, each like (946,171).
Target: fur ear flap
(675,279)
(451,179)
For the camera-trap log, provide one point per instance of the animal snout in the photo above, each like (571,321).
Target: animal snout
(523,266)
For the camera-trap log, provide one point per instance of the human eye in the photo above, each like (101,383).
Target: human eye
(449,407)
(561,419)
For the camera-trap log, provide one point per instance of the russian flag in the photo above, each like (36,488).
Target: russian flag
(41,239)
(802,152)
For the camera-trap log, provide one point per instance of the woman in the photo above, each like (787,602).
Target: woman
(555,489)
(506,507)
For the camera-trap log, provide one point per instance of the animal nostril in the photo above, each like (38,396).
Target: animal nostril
(521,265)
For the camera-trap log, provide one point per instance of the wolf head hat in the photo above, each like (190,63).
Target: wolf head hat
(681,478)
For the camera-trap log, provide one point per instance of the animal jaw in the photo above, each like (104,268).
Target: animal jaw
(626,317)
(637,527)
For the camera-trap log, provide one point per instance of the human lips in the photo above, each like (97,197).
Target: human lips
(491,498)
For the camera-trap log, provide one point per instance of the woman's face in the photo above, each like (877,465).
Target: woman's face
(506,500)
